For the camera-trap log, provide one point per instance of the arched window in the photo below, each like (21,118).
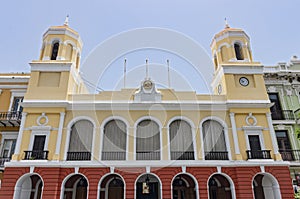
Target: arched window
(55,48)
(80,145)
(219,187)
(265,186)
(114,141)
(148,140)
(183,187)
(181,141)
(29,186)
(238,51)
(75,187)
(112,186)
(214,141)
(148,187)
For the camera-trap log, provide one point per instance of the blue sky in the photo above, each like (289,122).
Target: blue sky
(273,26)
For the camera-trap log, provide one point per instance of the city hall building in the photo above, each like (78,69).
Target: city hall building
(145,142)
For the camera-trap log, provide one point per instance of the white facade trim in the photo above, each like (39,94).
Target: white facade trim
(15,93)
(51,66)
(13,86)
(39,130)
(254,131)
(243,69)
(19,140)
(14,79)
(234,133)
(153,163)
(59,133)
(272,133)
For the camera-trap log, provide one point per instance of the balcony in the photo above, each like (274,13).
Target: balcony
(147,155)
(36,155)
(283,115)
(113,155)
(259,154)
(290,155)
(10,118)
(3,160)
(78,156)
(216,155)
(182,155)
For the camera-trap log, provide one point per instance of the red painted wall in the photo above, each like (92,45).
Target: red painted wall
(53,177)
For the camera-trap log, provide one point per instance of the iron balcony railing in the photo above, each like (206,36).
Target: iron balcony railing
(258,154)
(10,118)
(182,155)
(78,156)
(114,155)
(36,155)
(3,160)
(147,155)
(290,155)
(216,155)
(283,115)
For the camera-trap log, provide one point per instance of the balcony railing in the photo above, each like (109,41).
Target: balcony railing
(259,154)
(283,115)
(216,155)
(290,155)
(36,155)
(78,156)
(147,155)
(3,160)
(182,155)
(121,155)
(10,118)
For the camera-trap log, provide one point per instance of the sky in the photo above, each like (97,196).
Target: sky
(272,25)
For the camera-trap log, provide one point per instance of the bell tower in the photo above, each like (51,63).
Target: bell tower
(236,75)
(56,73)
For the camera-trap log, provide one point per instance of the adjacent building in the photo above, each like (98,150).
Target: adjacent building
(146,142)
(283,87)
(12,90)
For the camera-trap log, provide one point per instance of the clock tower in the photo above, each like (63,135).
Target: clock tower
(236,75)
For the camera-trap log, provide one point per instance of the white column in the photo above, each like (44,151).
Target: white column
(19,140)
(234,133)
(272,133)
(59,133)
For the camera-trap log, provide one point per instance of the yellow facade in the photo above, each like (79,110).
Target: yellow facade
(54,90)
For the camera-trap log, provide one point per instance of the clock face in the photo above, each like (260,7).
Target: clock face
(244,81)
(147,84)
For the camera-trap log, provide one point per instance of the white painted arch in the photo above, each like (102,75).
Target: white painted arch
(107,175)
(62,189)
(223,123)
(191,176)
(153,174)
(232,187)
(69,126)
(23,179)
